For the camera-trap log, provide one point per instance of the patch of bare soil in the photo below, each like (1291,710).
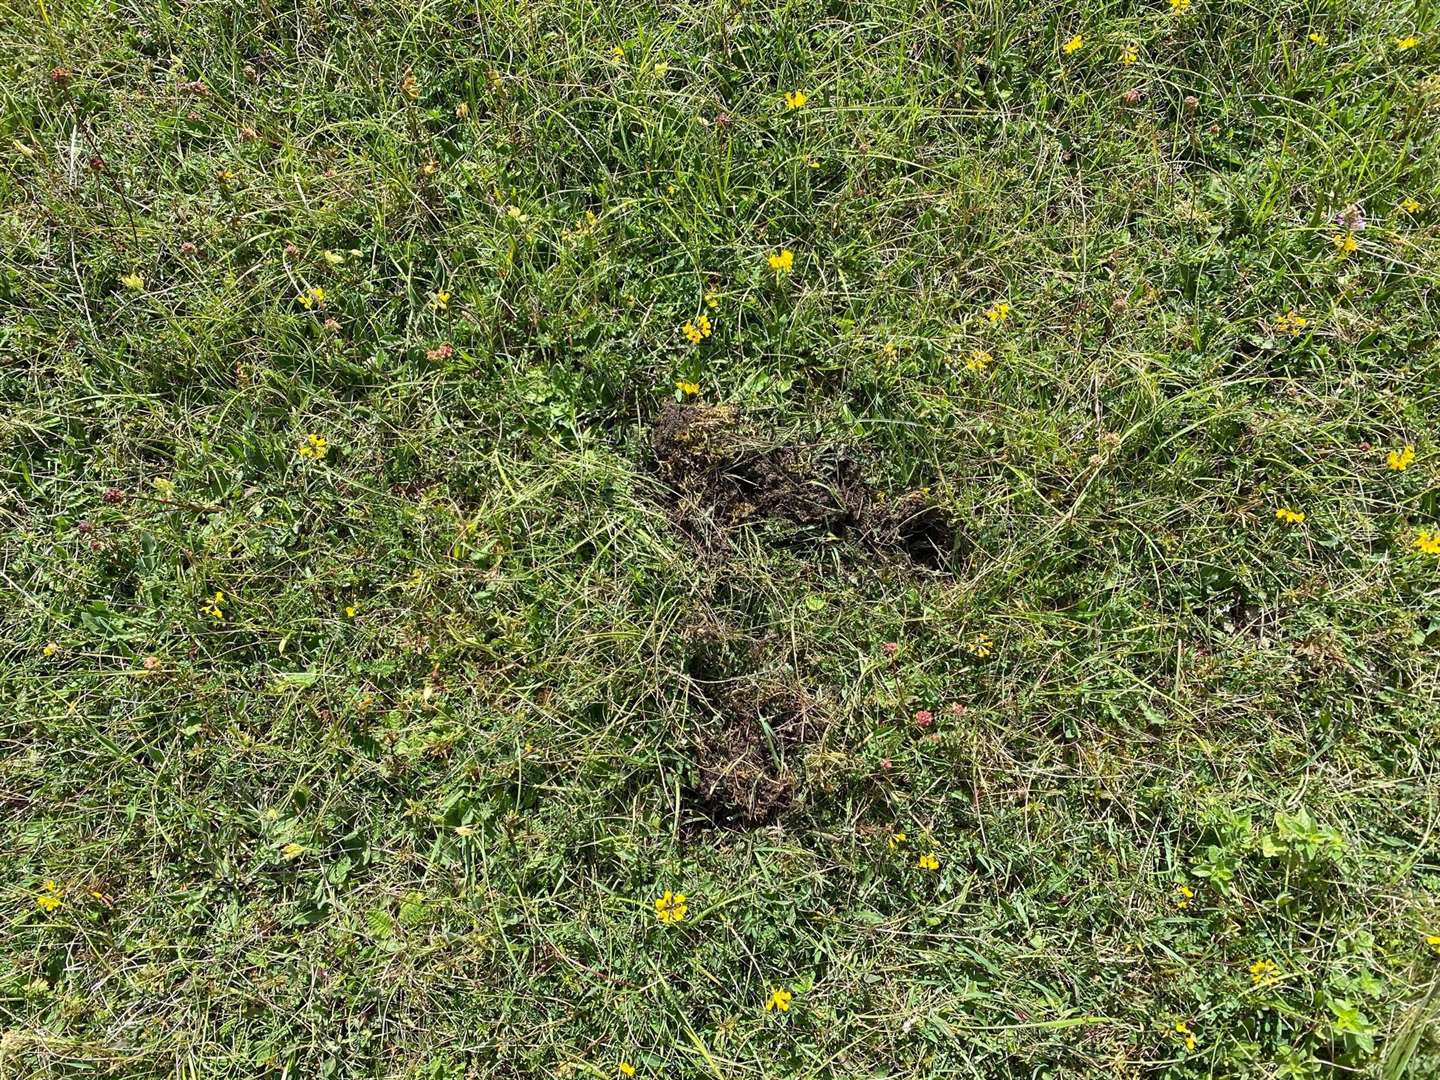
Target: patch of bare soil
(724,473)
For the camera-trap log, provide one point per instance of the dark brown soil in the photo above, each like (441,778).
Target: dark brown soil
(724,474)
(745,763)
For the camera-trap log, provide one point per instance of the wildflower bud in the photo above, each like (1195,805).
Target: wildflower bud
(890,648)
(1120,303)
(85,527)
(114,496)
(61,76)
(150,663)
(924,717)
(722,120)
(331,325)
(250,73)
(291,251)
(196,87)
(1131,96)
(248,134)
(1191,101)
(956,709)
(97,163)
(188,248)
(1365,446)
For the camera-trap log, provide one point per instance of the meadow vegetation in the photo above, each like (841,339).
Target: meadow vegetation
(776,539)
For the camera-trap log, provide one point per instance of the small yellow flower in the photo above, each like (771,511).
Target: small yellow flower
(928,861)
(1410,206)
(440,300)
(350,611)
(1433,940)
(779,999)
(1074,45)
(997,312)
(796,99)
(315,447)
(617,54)
(891,352)
(311,298)
(1183,895)
(1262,971)
(1129,54)
(1427,543)
(462,110)
(463,831)
(981,645)
(1178,7)
(50,897)
(626,1069)
(661,69)
(1291,323)
(689,389)
(671,907)
(782,263)
(1317,38)
(697,331)
(1345,243)
(50,648)
(1290,517)
(334,258)
(133,282)
(293,850)
(1407,42)
(712,299)
(896,839)
(409,86)
(1399,460)
(215,611)
(978,360)
(1182,1029)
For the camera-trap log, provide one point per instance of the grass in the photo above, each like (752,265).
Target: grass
(371,760)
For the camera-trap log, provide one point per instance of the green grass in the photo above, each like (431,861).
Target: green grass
(485,686)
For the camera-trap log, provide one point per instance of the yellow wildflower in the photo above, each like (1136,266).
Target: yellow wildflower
(1427,543)
(997,312)
(50,897)
(310,298)
(1290,517)
(1345,243)
(1410,205)
(617,54)
(671,907)
(626,1069)
(1433,940)
(795,99)
(1182,1029)
(689,389)
(334,258)
(133,281)
(1262,971)
(314,447)
(1183,895)
(50,648)
(978,360)
(928,861)
(215,611)
(661,69)
(293,850)
(1074,45)
(697,331)
(1129,54)
(779,999)
(782,263)
(1317,38)
(1409,41)
(440,300)
(896,839)
(981,645)
(1178,7)
(409,86)
(712,299)
(351,611)
(1291,323)
(462,110)
(1399,460)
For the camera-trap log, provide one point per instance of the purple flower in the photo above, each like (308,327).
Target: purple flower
(1351,219)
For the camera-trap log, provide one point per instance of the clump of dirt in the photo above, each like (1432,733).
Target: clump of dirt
(745,768)
(725,473)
